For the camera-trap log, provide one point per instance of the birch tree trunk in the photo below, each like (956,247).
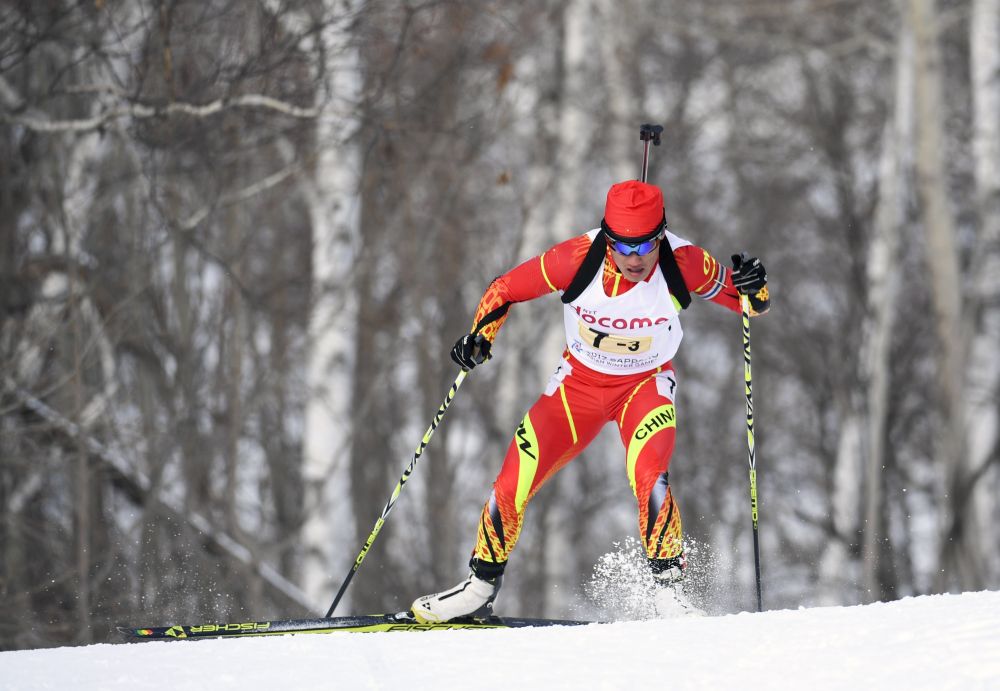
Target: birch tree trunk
(621,99)
(882,295)
(837,568)
(982,375)
(573,139)
(943,274)
(518,378)
(858,496)
(334,213)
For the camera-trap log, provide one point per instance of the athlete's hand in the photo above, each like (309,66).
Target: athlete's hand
(750,279)
(470,351)
(749,275)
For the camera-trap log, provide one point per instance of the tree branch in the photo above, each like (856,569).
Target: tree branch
(138,487)
(140,111)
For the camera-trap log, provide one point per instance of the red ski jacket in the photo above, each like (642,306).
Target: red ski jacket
(554,269)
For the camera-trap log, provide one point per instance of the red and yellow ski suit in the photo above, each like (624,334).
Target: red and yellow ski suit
(579,400)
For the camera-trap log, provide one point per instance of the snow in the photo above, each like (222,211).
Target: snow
(928,642)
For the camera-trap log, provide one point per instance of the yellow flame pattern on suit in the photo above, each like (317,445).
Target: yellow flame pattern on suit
(489,546)
(492,299)
(666,537)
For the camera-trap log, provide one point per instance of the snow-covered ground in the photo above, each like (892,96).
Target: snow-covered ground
(933,642)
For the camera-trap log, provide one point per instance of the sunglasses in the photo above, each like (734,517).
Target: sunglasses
(641,248)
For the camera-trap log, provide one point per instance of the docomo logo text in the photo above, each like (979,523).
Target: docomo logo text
(620,322)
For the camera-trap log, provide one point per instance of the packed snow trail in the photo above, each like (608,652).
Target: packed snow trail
(933,642)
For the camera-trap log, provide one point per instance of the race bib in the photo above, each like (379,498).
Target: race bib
(611,343)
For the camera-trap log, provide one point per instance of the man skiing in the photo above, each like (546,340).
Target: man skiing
(622,286)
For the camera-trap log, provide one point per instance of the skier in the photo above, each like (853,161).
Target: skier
(622,324)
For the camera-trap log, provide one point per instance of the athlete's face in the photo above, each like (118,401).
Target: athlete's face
(634,267)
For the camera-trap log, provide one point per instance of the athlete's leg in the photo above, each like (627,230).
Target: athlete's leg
(561,423)
(647,422)
(556,428)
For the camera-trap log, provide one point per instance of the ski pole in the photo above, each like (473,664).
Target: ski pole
(399,488)
(745,304)
(648,133)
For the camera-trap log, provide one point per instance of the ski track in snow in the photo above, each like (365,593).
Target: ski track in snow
(931,642)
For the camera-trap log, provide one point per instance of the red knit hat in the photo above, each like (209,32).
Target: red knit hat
(634,209)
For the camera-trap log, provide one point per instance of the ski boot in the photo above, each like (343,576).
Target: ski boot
(473,597)
(669,599)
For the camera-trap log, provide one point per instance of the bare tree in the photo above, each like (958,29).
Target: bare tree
(976,504)
(942,262)
(163,140)
(882,292)
(237,240)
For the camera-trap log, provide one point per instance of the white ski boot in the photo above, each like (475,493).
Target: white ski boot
(669,599)
(472,597)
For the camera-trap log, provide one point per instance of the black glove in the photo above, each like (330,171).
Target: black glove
(749,275)
(470,351)
(750,279)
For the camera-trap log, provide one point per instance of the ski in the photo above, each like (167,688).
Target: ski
(401,621)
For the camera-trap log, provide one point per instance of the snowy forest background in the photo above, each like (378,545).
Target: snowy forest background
(239,238)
